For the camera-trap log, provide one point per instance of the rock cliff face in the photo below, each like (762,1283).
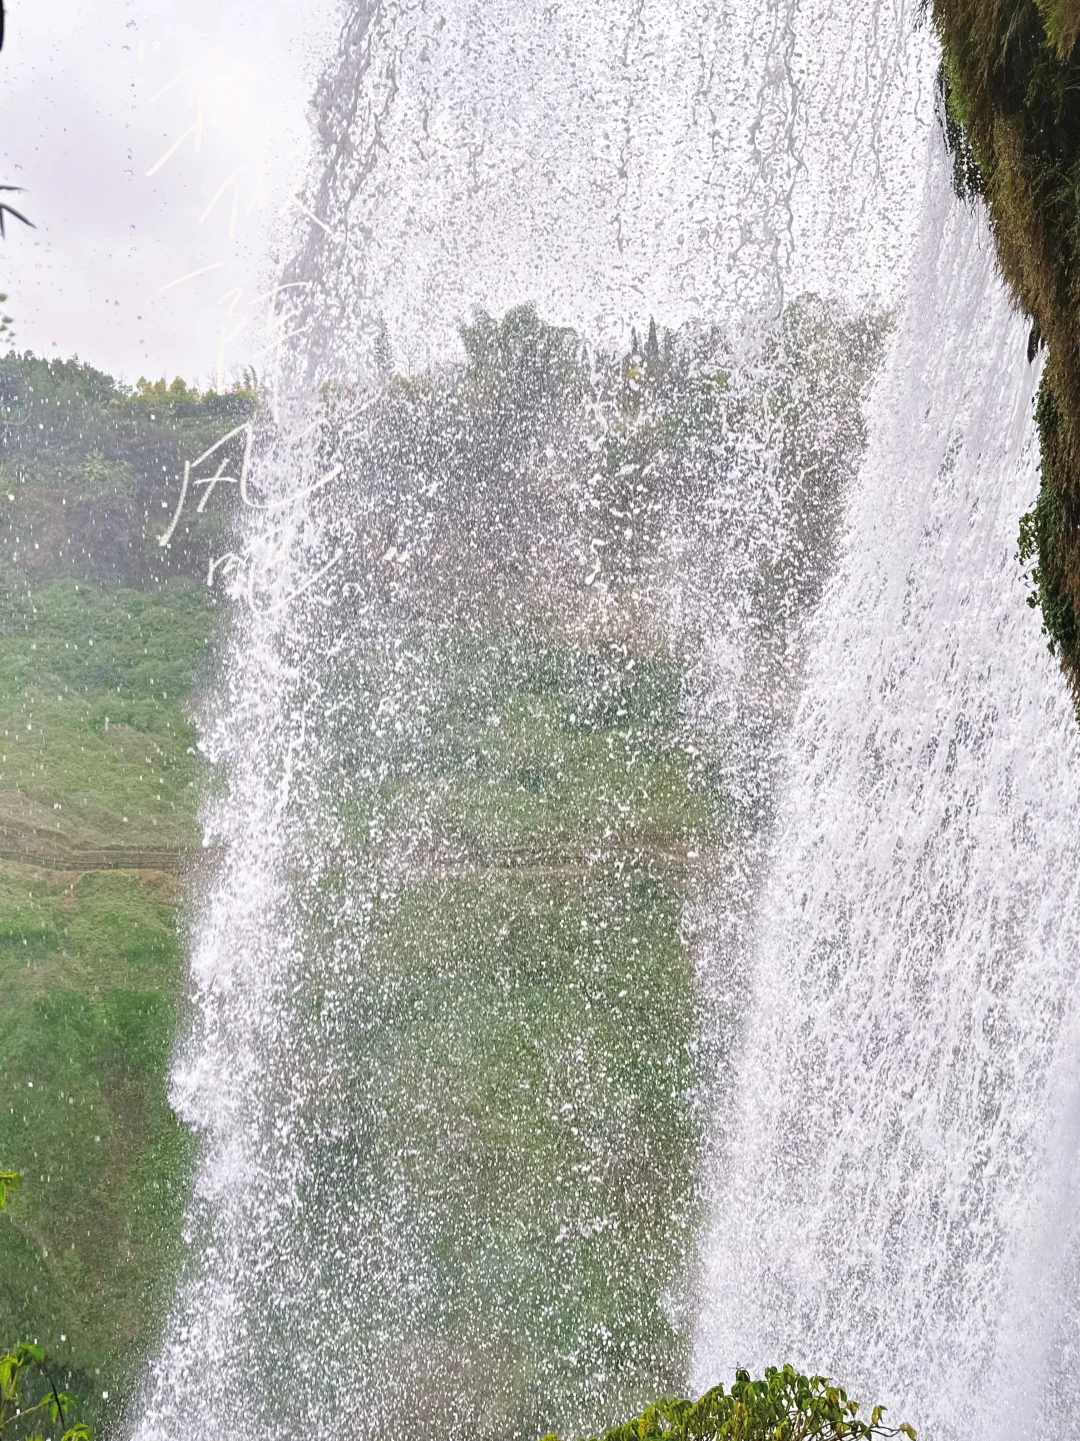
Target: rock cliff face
(1010,83)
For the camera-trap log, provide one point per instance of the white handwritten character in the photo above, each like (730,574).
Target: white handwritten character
(248,432)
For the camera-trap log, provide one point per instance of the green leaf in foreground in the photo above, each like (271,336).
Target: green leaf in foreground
(28,1393)
(783,1406)
(10,1181)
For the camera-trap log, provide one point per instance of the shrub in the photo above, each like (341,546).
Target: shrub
(783,1406)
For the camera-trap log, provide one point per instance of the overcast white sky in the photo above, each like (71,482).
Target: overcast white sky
(88,110)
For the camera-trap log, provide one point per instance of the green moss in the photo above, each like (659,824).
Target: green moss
(1042,536)
(968,181)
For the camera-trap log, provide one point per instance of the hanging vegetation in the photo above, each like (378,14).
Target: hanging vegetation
(1010,92)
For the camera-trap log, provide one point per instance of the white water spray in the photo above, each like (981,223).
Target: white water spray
(895,1202)
(891,1167)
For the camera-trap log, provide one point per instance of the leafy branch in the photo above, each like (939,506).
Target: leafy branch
(54,1404)
(25,1361)
(784,1406)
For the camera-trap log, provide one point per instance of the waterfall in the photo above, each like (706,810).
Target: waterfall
(882,935)
(894,1194)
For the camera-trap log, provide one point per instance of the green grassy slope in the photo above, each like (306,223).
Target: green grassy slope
(91,962)
(97,747)
(101,637)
